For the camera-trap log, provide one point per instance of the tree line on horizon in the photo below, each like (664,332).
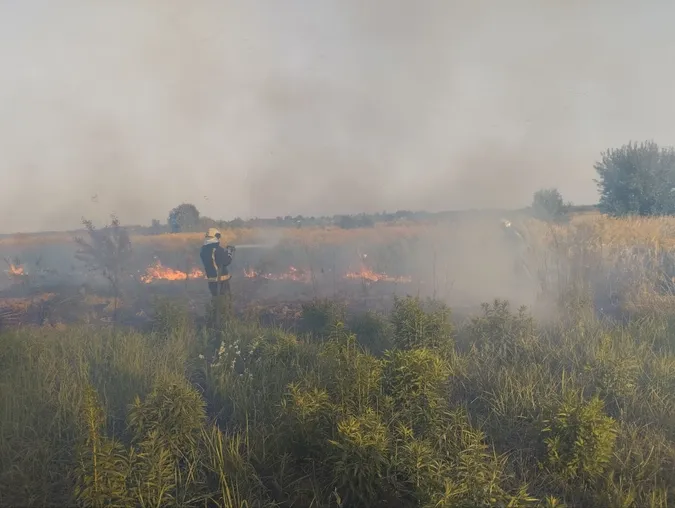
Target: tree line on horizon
(637,179)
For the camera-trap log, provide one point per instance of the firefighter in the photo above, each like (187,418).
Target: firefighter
(512,235)
(518,247)
(216,260)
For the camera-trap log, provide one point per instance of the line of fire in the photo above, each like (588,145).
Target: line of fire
(158,272)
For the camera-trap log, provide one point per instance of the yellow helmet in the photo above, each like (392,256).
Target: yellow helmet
(212,233)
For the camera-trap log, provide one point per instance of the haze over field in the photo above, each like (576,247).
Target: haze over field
(267,108)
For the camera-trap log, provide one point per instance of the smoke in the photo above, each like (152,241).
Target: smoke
(299,107)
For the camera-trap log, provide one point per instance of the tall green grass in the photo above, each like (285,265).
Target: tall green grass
(408,409)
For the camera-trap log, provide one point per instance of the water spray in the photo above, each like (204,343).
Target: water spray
(253,246)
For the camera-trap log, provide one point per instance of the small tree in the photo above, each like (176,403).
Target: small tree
(355,221)
(155,227)
(548,205)
(347,222)
(637,179)
(108,251)
(184,217)
(236,223)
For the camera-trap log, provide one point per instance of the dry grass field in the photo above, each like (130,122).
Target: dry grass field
(611,232)
(349,405)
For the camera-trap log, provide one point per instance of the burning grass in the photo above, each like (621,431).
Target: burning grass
(366,274)
(591,251)
(15,270)
(24,304)
(157,271)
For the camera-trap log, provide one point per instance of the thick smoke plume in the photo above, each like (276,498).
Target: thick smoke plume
(267,108)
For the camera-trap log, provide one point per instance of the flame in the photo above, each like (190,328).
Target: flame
(16,270)
(371,276)
(160,272)
(294,274)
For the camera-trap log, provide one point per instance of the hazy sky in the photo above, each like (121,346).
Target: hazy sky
(276,107)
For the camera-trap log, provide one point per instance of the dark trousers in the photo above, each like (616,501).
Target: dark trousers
(219,288)
(220,307)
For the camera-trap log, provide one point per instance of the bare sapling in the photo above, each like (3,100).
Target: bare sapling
(312,273)
(365,283)
(107,251)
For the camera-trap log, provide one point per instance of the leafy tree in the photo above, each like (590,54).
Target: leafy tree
(184,217)
(548,205)
(637,179)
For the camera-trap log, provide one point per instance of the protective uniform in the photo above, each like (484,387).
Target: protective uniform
(216,259)
(518,247)
(511,234)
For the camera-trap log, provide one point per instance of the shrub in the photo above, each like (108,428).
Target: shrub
(101,476)
(171,318)
(373,331)
(473,474)
(548,205)
(416,380)
(615,368)
(172,415)
(501,332)
(320,318)
(354,376)
(308,419)
(424,324)
(579,439)
(359,460)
